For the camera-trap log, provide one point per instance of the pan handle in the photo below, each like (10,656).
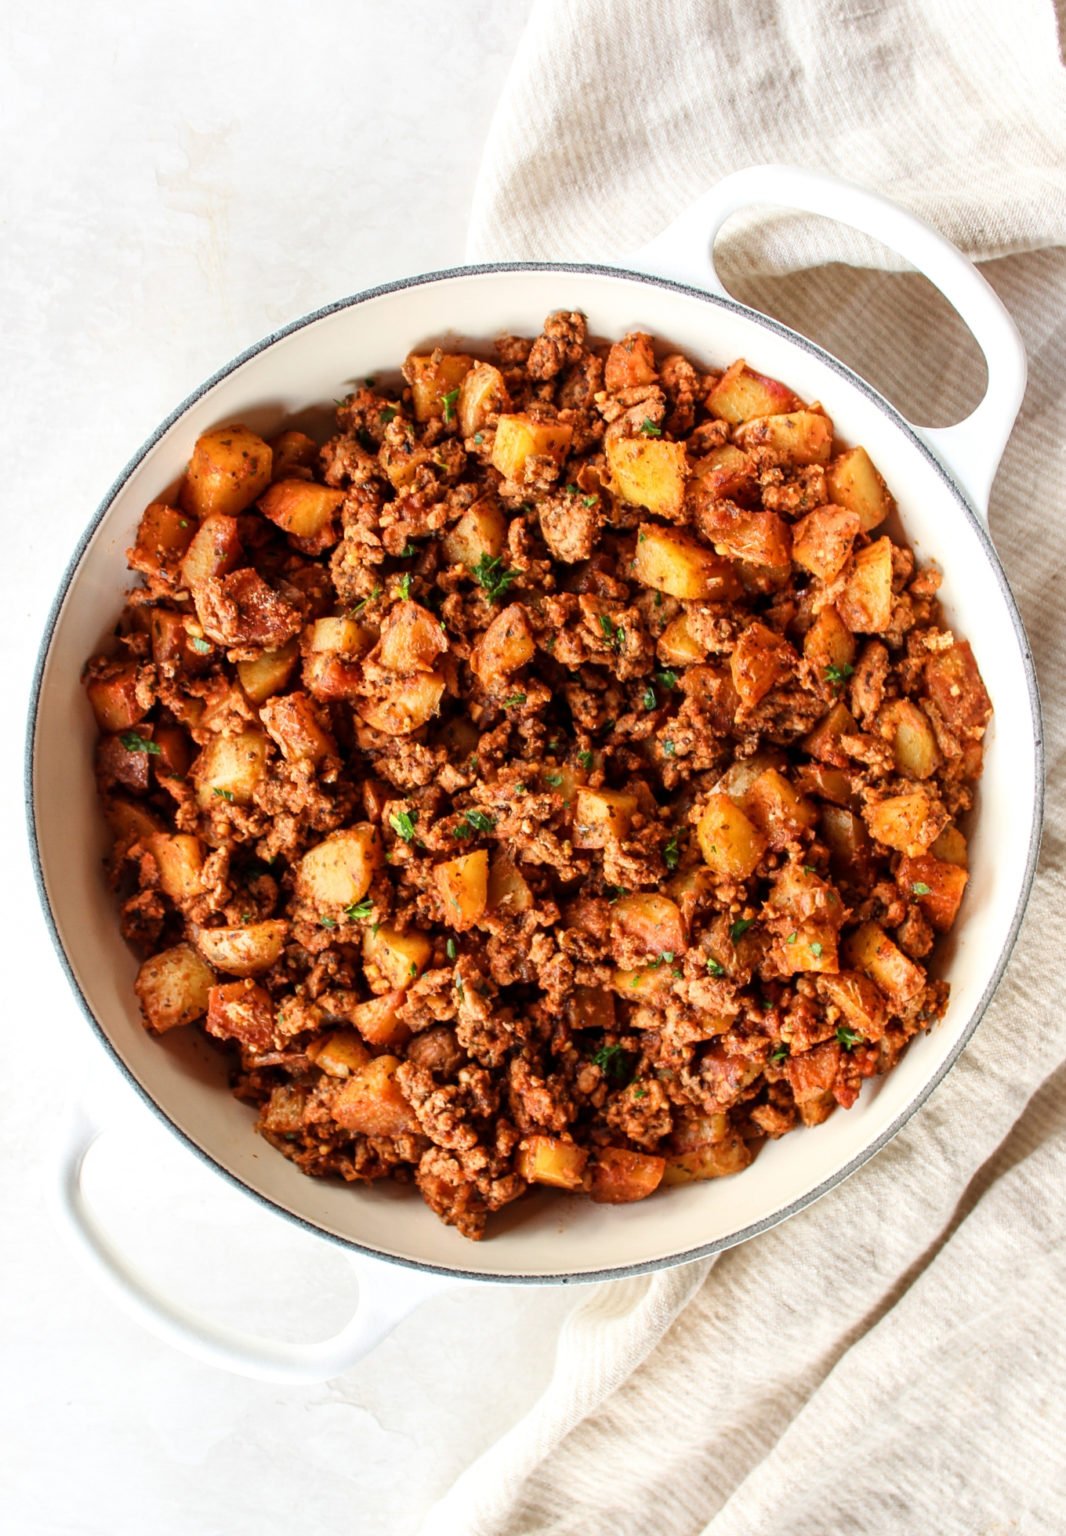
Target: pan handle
(970,450)
(387,1293)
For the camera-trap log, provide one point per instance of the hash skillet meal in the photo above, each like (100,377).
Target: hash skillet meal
(552,780)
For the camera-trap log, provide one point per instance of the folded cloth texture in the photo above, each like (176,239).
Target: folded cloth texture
(892,1360)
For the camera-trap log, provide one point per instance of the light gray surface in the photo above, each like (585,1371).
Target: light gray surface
(177,183)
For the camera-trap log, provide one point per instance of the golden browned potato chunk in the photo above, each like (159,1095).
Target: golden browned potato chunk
(741,394)
(936,885)
(714,1160)
(730,842)
(230,768)
(229,468)
(801,437)
(550,1160)
(391,959)
(463,884)
(291,721)
(873,952)
(214,551)
(913,744)
(910,822)
(853,482)
(619,1175)
(519,438)
(113,694)
(436,379)
(505,646)
(674,562)
(478,535)
(267,674)
(482,394)
(648,472)
(821,541)
(651,923)
(406,707)
(865,605)
(339,1054)
(304,510)
(760,660)
(244,1011)
(174,987)
(829,645)
(179,858)
(630,362)
(163,536)
(372,1103)
(337,872)
(601,815)
(244,951)
(411,638)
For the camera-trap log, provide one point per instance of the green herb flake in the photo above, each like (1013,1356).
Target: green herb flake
(613,892)
(715,967)
(413,970)
(838,675)
(792,938)
(225,794)
(201,647)
(649,428)
(571,489)
(648,698)
(328,922)
(671,852)
(479,438)
(491,574)
(613,633)
(847,1037)
(407,551)
(589,501)
(448,402)
(920,888)
(616,1064)
(405,586)
(514,701)
(554,779)
(386,414)
(668,749)
(666,958)
(640,1093)
(403,824)
(740,928)
(481,821)
(779,1054)
(451,949)
(668,679)
(816,950)
(136,743)
(354,612)
(359,910)
(585,759)
(809,869)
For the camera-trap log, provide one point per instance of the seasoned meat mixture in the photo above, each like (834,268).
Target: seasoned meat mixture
(553,779)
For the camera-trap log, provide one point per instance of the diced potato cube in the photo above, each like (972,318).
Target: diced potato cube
(244,951)
(935,885)
(291,722)
(303,509)
(829,643)
(873,952)
(741,394)
(478,535)
(950,847)
(337,872)
(591,1008)
(371,1102)
(519,438)
(401,456)
(129,822)
(649,983)
(678,646)
(214,551)
(173,987)
(229,468)
(831,784)
(759,538)
(171,641)
(265,675)
(482,394)
(295,454)
(652,923)
(339,1054)
(956,688)
(113,696)
(463,884)
(377,1021)
(630,362)
(339,637)
(730,843)
(230,768)
(244,1011)
(913,742)
(714,1160)
(800,437)
(179,858)
(648,472)
(674,562)
(163,536)
(821,541)
(407,707)
(910,822)
(619,1175)
(411,639)
(859,1000)
(508,888)
(777,810)
(435,379)
(865,605)
(801,894)
(505,646)
(761,659)
(391,959)
(853,482)
(550,1160)
(824,741)
(725,472)
(845,836)
(811,946)
(602,816)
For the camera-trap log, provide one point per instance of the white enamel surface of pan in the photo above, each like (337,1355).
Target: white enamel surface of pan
(941,481)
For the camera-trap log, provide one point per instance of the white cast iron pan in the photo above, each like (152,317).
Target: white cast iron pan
(941,480)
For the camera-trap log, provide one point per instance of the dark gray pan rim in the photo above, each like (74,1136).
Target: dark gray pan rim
(702,1250)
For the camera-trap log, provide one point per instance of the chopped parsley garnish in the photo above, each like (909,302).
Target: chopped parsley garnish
(613,633)
(491,573)
(648,698)
(640,1093)
(809,869)
(792,938)
(816,950)
(359,910)
(671,852)
(779,1054)
(667,678)
(405,585)
(481,821)
(649,428)
(407,551)
(448,402)
(740,928)
(838,675)
(571,489)
(200,646)
(403,824)
(225,794)
(847,1037)
(451,949)
(479,438)
(554,779)
(614,891)
(616,1064)
(354,612)
(135,743)
(668,749)
(585,759)
(387,414)
(920,888)
(589,501)
(715,967)
(514,700)
(328,922)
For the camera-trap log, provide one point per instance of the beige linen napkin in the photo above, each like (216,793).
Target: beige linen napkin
(892,1360)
